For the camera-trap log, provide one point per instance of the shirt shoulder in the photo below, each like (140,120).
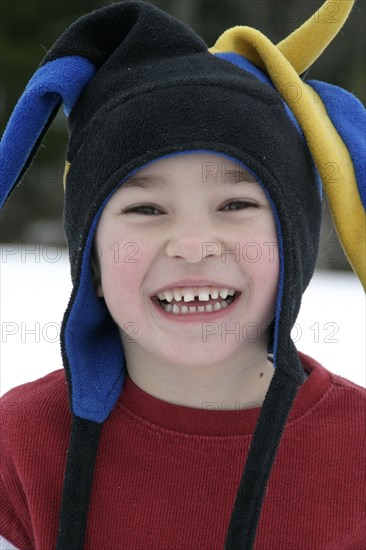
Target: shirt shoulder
(336,381)
(346,387)
(352,397)
(33,405)
(343,383)
(34,435)
(335,395)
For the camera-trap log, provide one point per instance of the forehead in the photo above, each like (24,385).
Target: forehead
(192,173)
(210,172)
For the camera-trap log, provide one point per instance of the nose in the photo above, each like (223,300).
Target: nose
(194,245)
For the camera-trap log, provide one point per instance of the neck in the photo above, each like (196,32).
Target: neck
(241,384)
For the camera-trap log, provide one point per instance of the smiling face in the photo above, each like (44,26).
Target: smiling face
(200,216)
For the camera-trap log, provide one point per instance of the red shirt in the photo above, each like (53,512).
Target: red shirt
(166,475)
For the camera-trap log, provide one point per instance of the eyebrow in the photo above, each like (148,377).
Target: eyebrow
(150,182)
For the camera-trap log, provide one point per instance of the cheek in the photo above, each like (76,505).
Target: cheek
(259,250)
(124,265)
(260,263)
(263,274)
(267,280)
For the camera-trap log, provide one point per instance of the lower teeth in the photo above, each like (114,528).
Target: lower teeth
(176,310)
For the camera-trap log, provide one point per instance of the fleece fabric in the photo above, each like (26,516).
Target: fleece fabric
(138,502)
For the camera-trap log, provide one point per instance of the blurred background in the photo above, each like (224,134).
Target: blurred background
(33,216)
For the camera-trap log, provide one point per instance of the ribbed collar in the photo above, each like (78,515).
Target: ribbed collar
(190,420)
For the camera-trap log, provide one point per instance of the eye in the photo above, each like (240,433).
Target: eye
(137,208)
(242,205)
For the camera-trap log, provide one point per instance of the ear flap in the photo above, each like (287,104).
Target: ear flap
(60,80)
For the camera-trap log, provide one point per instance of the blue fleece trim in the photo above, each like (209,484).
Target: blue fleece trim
(248,66)
(60,80)
(93,346)
(348,116)
(92,340)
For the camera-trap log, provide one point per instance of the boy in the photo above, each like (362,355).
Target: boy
(131,450)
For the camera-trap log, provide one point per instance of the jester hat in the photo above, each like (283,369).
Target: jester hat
(137,85)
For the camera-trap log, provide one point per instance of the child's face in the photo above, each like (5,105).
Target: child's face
(189,230)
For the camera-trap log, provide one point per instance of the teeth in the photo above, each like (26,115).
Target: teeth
(184,309)
(188,294)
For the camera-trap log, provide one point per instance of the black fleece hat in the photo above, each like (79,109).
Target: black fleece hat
(138,85)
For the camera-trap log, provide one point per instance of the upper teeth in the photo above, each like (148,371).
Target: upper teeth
(189,294)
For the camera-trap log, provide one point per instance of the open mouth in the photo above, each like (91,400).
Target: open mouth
(196,306)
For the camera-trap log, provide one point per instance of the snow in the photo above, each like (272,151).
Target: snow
(36,287)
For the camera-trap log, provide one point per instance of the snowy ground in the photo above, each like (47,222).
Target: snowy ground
(36,286)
